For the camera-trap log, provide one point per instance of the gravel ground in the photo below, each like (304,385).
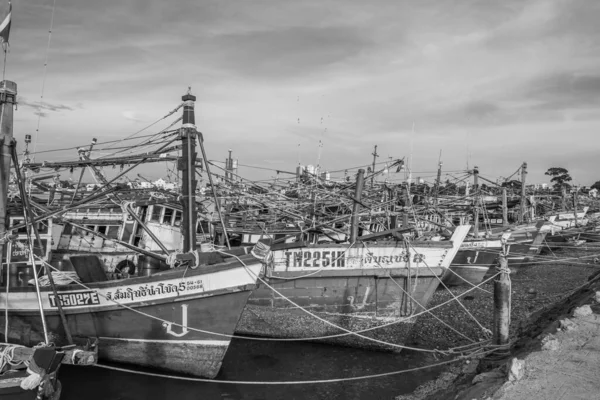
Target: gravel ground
(534,287)
(542,294)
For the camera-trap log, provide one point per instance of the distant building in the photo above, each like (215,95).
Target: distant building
(593,192)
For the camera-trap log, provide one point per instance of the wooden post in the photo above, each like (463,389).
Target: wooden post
(476,213)
(523,198)
(8,94)
(360,182)
(563,191)
(501,303)
(504,208)
(188,163)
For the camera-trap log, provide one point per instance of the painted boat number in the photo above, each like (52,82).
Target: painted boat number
(75,299)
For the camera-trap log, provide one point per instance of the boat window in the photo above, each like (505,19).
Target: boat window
(91,228)
(177,221)
(156,211)
(113,232)
(127,231)
(102,229)
(168,215)
(42,227)
(67,229)
(203,227)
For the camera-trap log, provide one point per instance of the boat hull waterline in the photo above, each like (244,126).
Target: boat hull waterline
(175,321)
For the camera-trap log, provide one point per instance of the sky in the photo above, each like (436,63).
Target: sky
(486,83)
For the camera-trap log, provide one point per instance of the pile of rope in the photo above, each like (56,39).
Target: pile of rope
(60,278)
(6,357)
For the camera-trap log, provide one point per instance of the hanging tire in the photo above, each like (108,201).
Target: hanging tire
(125,268)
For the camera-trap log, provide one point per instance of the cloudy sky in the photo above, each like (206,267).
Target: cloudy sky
(489,83)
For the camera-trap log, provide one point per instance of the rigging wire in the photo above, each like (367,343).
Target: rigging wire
(39,111)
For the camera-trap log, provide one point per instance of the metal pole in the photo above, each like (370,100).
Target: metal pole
(360,182)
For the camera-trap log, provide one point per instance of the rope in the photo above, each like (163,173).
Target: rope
(324,320)
(335,380)
(412,298)
(484,329)
(266,339)
(63,278)
(7,355)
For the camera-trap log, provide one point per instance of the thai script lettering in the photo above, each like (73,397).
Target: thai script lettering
(341,259)
(144,291)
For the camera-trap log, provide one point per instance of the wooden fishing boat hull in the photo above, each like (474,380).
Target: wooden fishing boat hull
(147,321)
(10,387)
(353,303)
(590,236)
(377,291)
(472,262)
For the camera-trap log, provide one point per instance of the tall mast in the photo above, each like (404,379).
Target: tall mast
(188,168)
(8,94)
(476,195)
(438,182)
(375,155)
(523,186)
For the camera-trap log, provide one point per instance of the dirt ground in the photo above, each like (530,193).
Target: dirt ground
(543,294)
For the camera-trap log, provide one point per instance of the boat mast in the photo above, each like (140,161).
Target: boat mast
(8,94)
(188,169)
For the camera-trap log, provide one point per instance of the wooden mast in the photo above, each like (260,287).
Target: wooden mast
(476,210)
(187,166)
(8,94)
(523,186)
(354,221)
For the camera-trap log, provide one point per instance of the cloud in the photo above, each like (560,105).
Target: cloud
(564,90)
(131,115)
(286,52)
(43,105)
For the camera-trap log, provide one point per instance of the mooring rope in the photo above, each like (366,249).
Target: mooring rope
(450,350)
(326,321)
(485,330)
(413,299)
(306,382)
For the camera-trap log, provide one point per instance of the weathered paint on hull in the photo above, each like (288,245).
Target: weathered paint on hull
(129,336)
(10,387)
(353,303)
(459,275)
(351,287)
(470,266)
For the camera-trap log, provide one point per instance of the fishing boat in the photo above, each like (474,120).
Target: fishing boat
(374,285)
(179,319)
(473,260)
